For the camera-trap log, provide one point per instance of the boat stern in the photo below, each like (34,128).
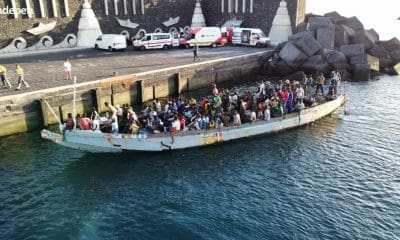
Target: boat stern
(49,135)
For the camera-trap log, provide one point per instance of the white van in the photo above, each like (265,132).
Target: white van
(111,42)
(203,36)
(250,37)
(157,41)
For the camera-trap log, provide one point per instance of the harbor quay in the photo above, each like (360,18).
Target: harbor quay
(118,77)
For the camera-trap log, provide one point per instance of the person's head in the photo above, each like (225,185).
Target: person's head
(66,60)
(69,115)
(17,66)
(106,104)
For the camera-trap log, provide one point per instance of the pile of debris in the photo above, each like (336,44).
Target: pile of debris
(329,42)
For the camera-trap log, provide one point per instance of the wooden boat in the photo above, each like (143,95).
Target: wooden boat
(96,141)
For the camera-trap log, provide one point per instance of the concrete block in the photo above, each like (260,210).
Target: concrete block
(354,23)
(335,17)
(361,38)
(336,59)
(380,52)
(372,34)
(391,44)
(341,37)
(305,42)
(395,56)
(292,55)
(314,64)
(281,69)
(352,50)
(326,37)
(361,72)
(373,63)
(318,22)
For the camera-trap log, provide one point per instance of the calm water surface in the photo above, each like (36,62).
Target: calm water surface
(338,178)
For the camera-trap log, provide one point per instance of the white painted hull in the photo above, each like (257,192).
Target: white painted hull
(106,142)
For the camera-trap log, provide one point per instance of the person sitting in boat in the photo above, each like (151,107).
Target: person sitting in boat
(134,128)
(157,105)
(175,125)
(235,99)
(236,118)
(132,117)
(70,124)
(267,113)
(205,120)
(225,119)
(114,125)
(83,122)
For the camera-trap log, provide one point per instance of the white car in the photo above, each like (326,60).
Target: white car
(250,37)
(157,41)
(111,42)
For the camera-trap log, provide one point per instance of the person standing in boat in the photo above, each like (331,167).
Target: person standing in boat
(320,83)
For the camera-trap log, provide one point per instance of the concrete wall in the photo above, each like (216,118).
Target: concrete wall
(155,13)
(28,111)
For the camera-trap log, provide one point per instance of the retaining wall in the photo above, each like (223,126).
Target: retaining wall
(27,111)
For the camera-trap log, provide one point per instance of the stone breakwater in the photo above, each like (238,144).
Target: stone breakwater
(325,43)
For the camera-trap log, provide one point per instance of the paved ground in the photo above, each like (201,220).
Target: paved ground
(46,70)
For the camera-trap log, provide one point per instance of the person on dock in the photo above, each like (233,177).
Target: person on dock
(67,70)
(19,72)
(3,76)
(196,53)
(320,83)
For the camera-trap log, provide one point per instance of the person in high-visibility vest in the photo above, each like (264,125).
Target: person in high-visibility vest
(3,76)
(19,72)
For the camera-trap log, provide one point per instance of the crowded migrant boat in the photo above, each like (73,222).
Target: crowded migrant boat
(223,108)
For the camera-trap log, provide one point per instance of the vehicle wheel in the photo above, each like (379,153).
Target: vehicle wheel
(142,48)
(214,45)
(165,47)
(110,49)
(258,45)
(96,47)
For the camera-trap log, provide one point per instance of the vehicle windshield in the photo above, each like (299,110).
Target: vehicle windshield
(190,36)
(145,38)
(237,34)
(261,35)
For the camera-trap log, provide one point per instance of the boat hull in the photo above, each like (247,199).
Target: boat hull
(96,141)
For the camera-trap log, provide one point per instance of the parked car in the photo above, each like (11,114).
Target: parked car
(157,41)
(111,42)
(250,37)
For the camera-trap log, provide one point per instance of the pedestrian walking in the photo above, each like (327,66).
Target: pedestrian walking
(67,70)
(3,76)
(196,53)
(19,72)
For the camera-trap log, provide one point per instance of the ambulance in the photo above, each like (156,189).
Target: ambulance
(157,41)
(250,37)
(204,36)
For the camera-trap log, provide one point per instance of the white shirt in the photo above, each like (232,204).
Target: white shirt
(236,119)
(300,92)
(67,66)
(177,125)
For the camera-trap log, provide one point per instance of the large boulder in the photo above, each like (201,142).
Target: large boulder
(361,72)
(336,59)
(391,44)
(315,64)
(380,52)
(292,55)
(305,42)
(360,59)
(352,50)
(360,37)
(372,34)
(354,23)
(301,27)
(281,68)
(326,36)
(341,37)
(335,17)
(349,31)
(395,56)
(317,22)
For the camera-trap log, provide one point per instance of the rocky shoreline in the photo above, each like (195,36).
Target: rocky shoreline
(333,42)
